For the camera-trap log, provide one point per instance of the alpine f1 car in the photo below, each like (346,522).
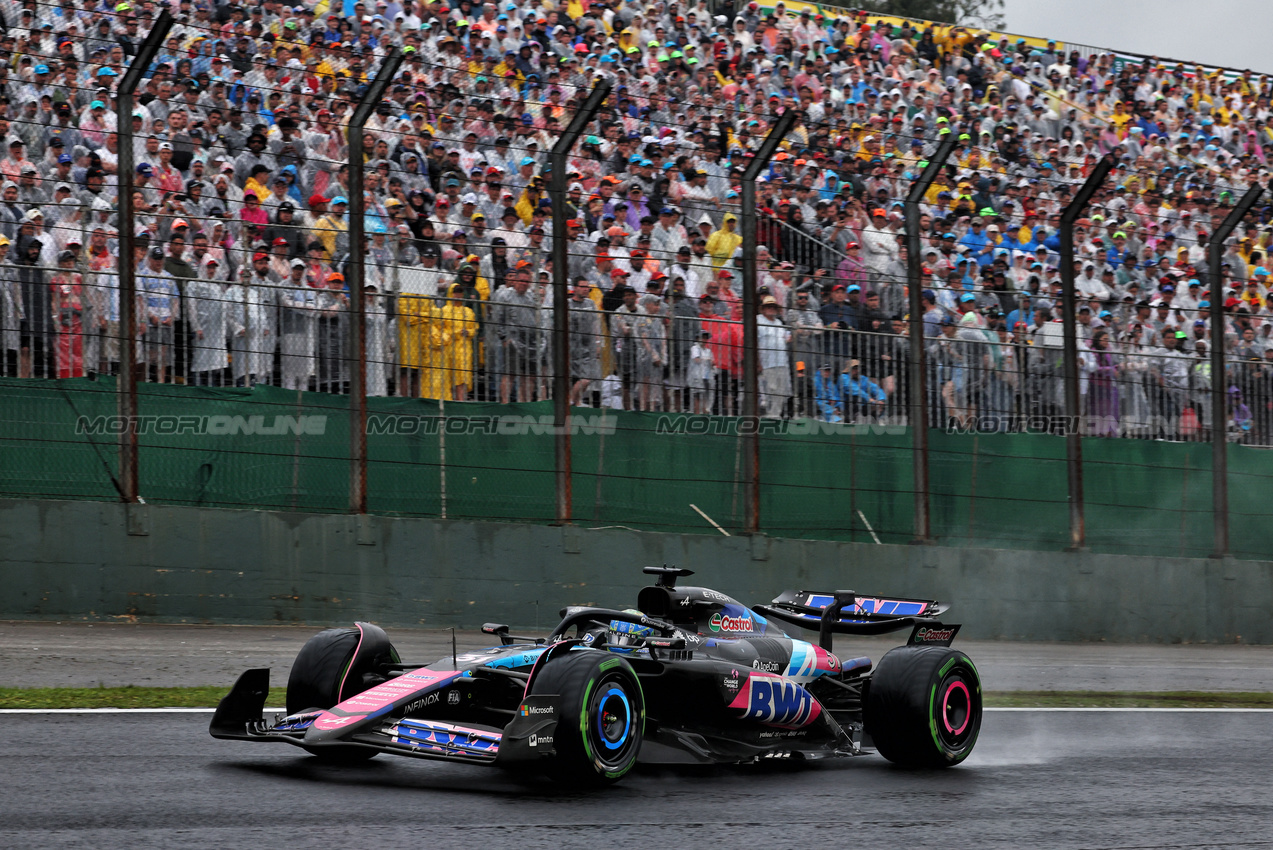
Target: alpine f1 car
(688,676)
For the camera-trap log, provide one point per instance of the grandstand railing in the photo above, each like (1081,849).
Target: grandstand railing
(261,338)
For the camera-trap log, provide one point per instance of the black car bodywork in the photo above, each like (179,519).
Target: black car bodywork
(689,676)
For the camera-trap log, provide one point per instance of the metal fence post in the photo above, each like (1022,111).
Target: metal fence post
(127,384)
(1219,383)
(561,291)
(918,355)
(1073,415)
(357,276)
(751,353)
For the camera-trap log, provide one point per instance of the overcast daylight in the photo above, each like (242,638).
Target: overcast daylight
(1170,28)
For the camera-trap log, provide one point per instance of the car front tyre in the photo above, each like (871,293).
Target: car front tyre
(333,666)
(601,719)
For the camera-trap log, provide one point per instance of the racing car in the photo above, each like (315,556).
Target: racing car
(689,675)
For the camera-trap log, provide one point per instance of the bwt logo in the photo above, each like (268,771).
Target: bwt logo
(210,426)
(774,700)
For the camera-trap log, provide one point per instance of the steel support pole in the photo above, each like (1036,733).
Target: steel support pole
(1219,383)
(918,354)
(751,352)
(356,277)
(127,384)
(561,292)
(1069,318)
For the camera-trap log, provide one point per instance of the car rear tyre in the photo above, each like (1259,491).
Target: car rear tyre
(601,720)
(923,707)
(333,666)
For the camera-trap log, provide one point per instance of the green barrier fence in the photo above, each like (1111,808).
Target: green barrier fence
(275,449)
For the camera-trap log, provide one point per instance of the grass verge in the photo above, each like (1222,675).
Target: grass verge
(129,697)
(208,697)
(1127,699)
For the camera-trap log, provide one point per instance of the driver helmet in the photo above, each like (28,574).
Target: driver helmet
(624,636)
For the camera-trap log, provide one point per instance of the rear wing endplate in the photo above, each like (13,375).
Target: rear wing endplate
(846,612)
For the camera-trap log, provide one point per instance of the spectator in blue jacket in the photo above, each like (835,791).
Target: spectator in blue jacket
(1117,252)
(826,393)
(859,393)
(977,242)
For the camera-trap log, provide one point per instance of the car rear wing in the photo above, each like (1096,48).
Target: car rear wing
(846,612)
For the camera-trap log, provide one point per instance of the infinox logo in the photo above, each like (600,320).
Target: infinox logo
(726,623)
(926,634)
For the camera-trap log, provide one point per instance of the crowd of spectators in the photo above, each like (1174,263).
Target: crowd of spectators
(242,208)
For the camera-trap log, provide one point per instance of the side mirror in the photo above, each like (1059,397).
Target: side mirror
(501,631)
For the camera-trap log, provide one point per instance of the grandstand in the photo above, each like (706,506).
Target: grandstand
(243,208)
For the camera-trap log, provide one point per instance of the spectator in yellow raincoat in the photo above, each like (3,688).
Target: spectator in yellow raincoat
(724,242)
(415,358)
(433,382)
(459,329)
(529,200)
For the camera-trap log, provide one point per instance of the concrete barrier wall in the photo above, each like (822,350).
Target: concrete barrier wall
(101,561)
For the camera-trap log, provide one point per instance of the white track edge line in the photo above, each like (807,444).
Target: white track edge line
(1126,709)
(1075,710)
(119,710)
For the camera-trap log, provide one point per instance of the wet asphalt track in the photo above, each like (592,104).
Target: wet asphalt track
(1037,779)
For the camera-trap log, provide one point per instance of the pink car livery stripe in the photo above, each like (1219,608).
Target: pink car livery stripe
(775,701)
(362,635)
(380,699)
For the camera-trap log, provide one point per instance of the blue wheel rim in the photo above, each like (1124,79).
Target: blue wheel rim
(607,718)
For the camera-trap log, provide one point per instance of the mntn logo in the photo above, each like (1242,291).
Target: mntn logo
(773,700)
